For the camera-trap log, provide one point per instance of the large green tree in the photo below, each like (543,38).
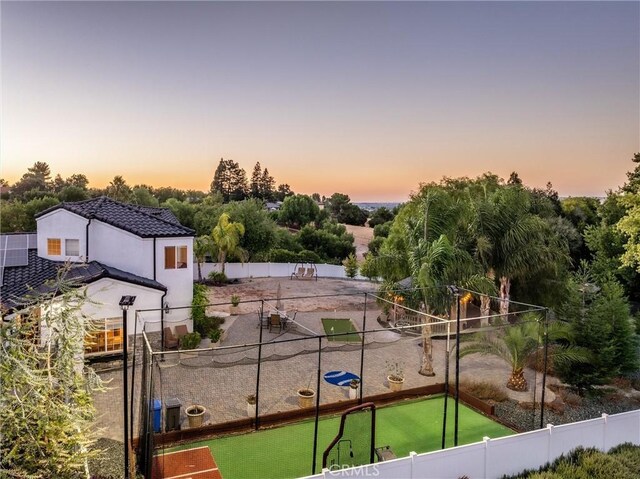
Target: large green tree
(297,211)
(230,180)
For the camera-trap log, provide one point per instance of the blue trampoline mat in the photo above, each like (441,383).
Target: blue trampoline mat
(340,378)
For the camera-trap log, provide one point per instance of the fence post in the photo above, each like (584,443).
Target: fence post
(412,456)
(486,440)
(604,431)
(549,442)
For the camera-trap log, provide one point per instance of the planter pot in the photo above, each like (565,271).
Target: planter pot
(394,384)
(353,393)
(234,310)
(195,414)
(184,355)
(251,410)
(306,397)
(205,343)
(216,344)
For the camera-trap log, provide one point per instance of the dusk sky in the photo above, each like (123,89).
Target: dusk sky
(368,99)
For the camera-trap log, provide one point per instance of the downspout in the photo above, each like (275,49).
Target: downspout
(154,259)
(86,244)
(162,320)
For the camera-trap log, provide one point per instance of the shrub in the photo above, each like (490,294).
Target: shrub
(283,256)
(306,256)
(351,266)
(199,305)
(208,326)
(235,300)
(484,390)
(190,340)
(218,278)
(215,334)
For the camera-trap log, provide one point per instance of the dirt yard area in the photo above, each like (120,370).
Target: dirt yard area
(267,288)
(362,235)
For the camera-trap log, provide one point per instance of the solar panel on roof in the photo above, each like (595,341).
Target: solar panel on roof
(14,249)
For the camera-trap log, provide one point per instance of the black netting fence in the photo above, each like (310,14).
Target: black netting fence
(269,392)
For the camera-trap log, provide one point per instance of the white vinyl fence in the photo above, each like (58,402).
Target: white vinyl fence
(493,458)
(269,270)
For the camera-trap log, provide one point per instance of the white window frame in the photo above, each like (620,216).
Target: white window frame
(66,247)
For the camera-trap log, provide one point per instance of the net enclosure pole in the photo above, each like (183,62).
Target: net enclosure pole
(256,420)
(315,429)
(364,328)
(544,365)
(455,433)
(446,386)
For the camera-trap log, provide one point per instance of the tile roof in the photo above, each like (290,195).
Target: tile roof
(21,282)
(143,221)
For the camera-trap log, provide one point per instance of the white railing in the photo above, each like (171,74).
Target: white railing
(507,455)
(269,270)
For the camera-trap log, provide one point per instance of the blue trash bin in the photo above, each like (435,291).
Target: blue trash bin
(157,415)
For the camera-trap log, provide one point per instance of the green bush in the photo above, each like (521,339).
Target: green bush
(283,256)
(214,335)
(218,277)
(190,340)
(208,325)
(306,256)
(351,266)
(622,462)
(199,305)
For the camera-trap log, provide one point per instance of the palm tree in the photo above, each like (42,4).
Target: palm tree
(424,243)
(226,237)
(202,246)
(510,242)
(517,345)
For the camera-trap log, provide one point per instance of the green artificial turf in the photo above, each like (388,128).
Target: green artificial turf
(285,452)
(340,326)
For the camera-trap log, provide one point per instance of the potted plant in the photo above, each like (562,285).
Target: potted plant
(187,342)
(235,301)
(215,334)
(306,396)
(353,388)
(395,375)
(251,405)
(195,413)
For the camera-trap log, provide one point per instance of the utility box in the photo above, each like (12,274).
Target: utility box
(157,415)
(172,414)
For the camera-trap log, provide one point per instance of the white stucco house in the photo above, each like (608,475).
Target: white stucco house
(116,249)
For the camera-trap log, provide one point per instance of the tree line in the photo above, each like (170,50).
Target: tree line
(580,257)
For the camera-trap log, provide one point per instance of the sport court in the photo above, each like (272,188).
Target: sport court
(286,451)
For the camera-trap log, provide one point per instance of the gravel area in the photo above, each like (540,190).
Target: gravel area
(592,406)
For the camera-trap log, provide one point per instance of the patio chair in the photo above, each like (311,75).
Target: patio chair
(310,274)
(263,320)
(299,274)
(170,341)
(181,330)
(275,322)
(289,319)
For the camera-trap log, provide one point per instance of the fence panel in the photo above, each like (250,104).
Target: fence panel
(569,436)
(621,428)
(505,455)
(451,463)
(265,270)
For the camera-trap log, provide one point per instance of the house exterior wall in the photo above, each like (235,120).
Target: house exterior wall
(61,224)
(120,249)
(105,295)
(179,282)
